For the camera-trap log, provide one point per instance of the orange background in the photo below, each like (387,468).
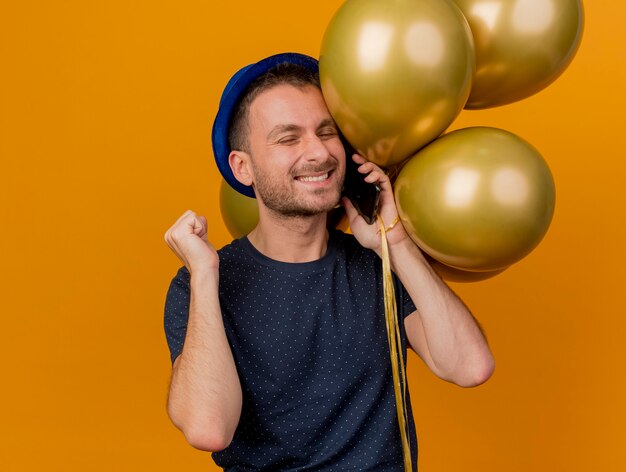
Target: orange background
(105,119)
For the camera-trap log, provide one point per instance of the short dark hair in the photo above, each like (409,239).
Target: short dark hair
(283,73)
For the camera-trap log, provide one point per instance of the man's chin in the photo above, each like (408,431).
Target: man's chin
(305,212)
(329,204)
(307,205)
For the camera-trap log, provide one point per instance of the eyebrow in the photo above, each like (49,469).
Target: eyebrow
(278,129)
(327,122)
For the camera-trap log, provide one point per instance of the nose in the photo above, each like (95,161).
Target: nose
(315,149)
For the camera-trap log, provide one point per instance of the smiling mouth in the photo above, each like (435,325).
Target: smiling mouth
(314,178)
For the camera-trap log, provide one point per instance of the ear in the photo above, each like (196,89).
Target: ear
(239,162)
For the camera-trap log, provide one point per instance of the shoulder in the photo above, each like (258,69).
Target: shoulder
(178,291)
(344,240)
(350,248)
(228,253)
(232,252)
(181,279)
(349,242)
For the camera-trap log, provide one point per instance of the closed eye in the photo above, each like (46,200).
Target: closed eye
(288,140)
(328,133)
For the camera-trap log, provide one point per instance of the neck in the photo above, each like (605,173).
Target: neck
(290,239)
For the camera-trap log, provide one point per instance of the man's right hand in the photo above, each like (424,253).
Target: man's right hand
(188,239)
(205,397)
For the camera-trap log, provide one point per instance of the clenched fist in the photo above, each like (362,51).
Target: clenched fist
(188,239)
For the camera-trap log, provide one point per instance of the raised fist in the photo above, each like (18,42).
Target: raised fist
(188,239)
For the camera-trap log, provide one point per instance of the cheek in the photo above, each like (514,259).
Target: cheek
(336,149)
(339,152)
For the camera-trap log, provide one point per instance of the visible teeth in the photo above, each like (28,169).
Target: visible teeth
(319,178)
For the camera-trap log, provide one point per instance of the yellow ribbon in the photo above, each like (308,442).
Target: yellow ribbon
(395,343)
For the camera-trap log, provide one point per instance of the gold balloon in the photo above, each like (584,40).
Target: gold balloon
(476,199)
(522,46)
(240,213)
(460,276)
(395,73)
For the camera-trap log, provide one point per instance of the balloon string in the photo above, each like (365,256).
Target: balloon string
(395,343)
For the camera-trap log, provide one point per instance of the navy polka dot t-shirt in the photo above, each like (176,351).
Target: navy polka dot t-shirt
(310,345)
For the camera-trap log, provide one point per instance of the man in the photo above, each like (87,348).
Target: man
(278,340)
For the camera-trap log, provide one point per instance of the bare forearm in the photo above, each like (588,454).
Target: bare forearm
(452,340)
(205,393)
